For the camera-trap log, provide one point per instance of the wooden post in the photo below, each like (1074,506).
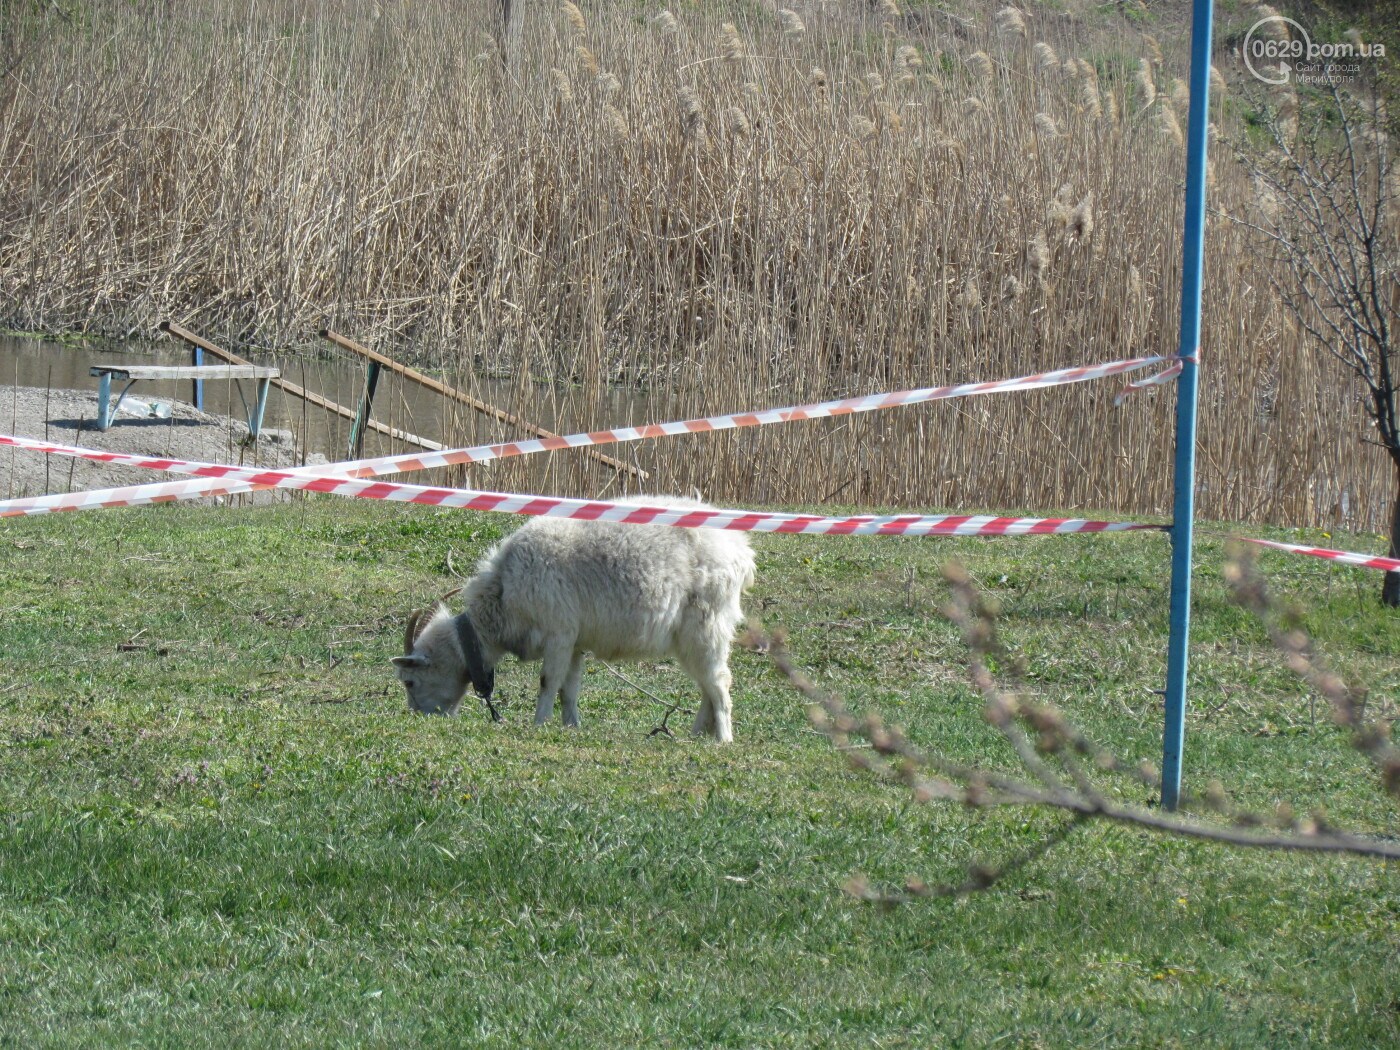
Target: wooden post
(357,429)
(297,391)
(481,406)
(197,359)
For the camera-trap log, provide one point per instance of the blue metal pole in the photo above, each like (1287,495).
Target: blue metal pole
(1184,503)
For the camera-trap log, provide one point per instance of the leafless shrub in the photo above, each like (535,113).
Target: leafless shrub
(1325,202)
(1061,769)
(1348,704)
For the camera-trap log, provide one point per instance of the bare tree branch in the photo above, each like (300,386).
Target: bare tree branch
(1058,757)
(1328,214)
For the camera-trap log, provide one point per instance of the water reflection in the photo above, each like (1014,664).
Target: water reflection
(398,403)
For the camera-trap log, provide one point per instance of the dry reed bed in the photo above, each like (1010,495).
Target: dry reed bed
(726,206)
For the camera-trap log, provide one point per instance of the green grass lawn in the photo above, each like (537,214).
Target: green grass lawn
(220,826)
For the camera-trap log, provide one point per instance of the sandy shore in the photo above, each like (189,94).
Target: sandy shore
(67,417)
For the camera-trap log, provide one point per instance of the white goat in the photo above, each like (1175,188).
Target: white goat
(557,588)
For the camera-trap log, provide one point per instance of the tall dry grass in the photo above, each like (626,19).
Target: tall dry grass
(723,206)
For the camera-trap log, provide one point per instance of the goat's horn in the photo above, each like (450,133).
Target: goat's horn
(411,635)
(449,594)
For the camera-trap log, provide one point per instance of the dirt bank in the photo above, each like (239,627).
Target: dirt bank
(67,417)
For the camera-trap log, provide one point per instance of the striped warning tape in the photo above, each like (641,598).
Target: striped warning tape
(484,453)
(1164,376)
(175,466)
(221,479)
(1365,561)
(632,513)
(243,479)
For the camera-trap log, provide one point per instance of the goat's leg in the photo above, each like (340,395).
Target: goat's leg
(569,694)
(554,670)
(714,715)
(704,724)
(711,673)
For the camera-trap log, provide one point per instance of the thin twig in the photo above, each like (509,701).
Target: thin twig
(1039,733)
(670,707)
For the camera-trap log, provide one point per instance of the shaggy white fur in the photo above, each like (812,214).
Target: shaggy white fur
(557,588)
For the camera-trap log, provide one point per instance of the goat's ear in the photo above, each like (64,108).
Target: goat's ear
(411,660)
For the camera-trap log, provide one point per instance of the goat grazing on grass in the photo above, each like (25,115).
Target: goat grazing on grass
(558,587)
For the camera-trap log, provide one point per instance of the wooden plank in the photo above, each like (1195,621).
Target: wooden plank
(185,371)
(301,392)
(481,406)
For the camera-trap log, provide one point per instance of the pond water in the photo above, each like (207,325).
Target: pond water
(32,362)
(339,377)
(406,406)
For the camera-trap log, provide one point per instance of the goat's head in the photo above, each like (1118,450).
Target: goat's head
(442,656)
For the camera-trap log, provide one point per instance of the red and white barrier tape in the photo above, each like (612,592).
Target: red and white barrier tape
(483,453)
(221,479)
(940,525)
(174,466)
(1164,376)
(633,513)
(213,479)
(244,479)
(1365,561)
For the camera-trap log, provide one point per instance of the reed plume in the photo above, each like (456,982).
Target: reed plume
(1144,85)
(1089,98)
(1081,219)
(574,17)
(792,23)
(562,87)
(692,113)
(907,63)
(731,46)
(1180,96)
(971,295)
(614,123)
(1038,257)
(1011,22)
(1171,127)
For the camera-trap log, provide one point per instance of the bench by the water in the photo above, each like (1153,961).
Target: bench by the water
(106,408)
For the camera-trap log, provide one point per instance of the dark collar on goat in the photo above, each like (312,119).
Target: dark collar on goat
(471,652)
